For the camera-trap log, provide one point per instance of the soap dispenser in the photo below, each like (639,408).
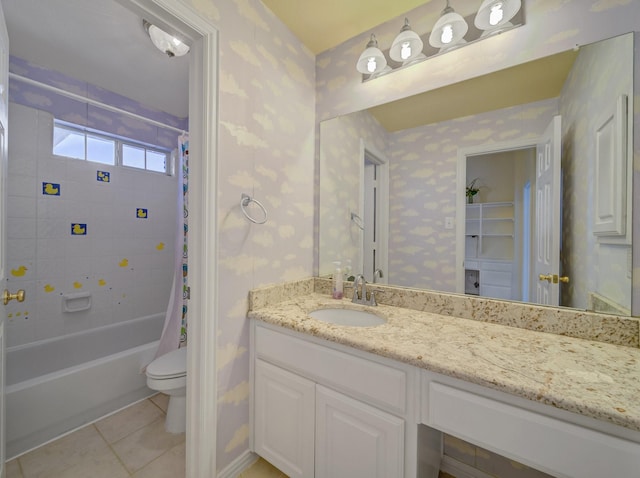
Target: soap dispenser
(338,291)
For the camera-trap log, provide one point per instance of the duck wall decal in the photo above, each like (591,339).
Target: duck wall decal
(78,229)
(19,272)
(103,176)
(51,189)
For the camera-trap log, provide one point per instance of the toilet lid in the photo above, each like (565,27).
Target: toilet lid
(170,365)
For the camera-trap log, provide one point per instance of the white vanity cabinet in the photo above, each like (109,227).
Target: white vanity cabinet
(354,439)
(319,411)
(284,410)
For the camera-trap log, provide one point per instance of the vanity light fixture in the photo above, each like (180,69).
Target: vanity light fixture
(165,42)
(447,34)
(372,59)
(494,15)
(407,45)
(449,30)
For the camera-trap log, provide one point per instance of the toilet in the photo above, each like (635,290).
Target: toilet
(168,374)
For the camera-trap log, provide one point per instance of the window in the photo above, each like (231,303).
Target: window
(75,142)
(69,142)
(144,158)
(100,150)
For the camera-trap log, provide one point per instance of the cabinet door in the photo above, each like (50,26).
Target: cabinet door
(355,440)
(284,419)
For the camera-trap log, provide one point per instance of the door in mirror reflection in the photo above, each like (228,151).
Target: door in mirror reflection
(375,216)
(547,224)
(512,230)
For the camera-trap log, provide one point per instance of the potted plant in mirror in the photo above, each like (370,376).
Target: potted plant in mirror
(472,190)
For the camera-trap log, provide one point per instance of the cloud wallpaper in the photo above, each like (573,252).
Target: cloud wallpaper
(266,149)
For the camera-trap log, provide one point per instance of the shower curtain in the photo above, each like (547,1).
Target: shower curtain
(174,333)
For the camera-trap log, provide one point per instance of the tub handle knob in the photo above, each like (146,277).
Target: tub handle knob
(6,297)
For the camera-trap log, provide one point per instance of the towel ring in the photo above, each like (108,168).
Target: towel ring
(245,201)
(357,220)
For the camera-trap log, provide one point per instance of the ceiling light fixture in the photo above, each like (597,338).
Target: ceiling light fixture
(165,42)
(407,45)
(494,15)
(372,59)
(449,30)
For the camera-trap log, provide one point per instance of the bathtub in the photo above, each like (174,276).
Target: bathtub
(56,385)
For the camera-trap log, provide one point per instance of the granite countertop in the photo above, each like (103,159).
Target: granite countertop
(590,378)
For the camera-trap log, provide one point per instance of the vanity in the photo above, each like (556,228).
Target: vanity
(334,400)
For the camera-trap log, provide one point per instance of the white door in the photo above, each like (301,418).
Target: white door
(4,107)
(547,224)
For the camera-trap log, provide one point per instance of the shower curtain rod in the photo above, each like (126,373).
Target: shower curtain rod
(84,99)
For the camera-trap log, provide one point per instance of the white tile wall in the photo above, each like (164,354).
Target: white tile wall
(39,230)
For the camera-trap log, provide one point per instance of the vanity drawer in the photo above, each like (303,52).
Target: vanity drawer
(547,443)
(365,379)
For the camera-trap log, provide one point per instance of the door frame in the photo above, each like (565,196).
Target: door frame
(202,384)
(4,158)
(461,184)
(381,160)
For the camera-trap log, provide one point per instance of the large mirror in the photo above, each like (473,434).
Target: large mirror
(393,183)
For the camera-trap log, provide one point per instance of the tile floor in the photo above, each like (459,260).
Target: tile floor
(130,443)
(263,469)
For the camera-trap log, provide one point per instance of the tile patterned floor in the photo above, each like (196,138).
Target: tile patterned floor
(263,469)
(130,443)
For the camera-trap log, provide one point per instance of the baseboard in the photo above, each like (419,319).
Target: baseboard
(240,464)
(460,470)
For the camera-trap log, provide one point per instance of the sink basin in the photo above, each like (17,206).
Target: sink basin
(350,317)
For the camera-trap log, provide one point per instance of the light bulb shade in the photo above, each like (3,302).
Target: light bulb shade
(496,13)
(417,59)
(372,60)
(382,72)
(407,45)
(448,30)
(165,42)
(452,47)
(496,30)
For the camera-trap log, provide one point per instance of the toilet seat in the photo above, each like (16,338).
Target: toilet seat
(169,366)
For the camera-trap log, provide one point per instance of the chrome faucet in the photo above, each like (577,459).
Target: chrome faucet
(377,274)
(361,298)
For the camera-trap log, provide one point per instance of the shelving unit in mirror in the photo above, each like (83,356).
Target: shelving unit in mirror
(490,230)
(490,240)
